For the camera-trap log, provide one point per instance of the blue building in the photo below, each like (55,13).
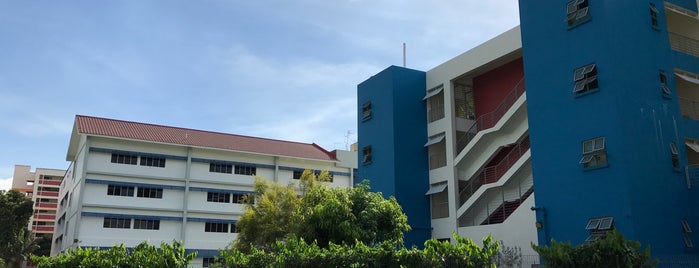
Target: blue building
(618,80)
(605,136)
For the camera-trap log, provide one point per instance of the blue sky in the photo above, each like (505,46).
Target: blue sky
(276,69)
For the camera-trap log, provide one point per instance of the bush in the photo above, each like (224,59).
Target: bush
(296,252)
(144,255)
(611,251)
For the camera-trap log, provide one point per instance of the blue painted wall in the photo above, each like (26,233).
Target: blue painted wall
(642,191)
(396,133)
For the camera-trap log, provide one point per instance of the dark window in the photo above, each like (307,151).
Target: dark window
(298,174)
(674,155)
(119,223)
(233,228)
(366,111)
(239,198)
(366,155)
(578,12)
(599,227)
(152,161)
(653,16)
(585,79)
(125,159)
(146,224)
(687,231)
(245,170)
(209,261)
(120,190)
(221,168)
(663,84)
(150,192)
(594,153)
(214,227)
(218,197)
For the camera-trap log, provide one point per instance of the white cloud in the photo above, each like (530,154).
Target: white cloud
(5,184)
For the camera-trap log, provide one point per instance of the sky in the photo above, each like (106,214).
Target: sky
(268,68)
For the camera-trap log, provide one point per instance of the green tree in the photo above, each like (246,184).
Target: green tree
(143,255)
(270,217)
(320,213)
(611,251)
(15,240)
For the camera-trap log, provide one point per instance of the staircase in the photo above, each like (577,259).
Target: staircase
(506,209)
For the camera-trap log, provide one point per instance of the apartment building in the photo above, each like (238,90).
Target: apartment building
(581,121)
(465,145)
(42,186)
(130,182)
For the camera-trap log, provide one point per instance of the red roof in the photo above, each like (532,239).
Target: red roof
(183,136)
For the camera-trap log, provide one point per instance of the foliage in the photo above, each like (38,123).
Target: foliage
(15,240)
(509,256)
(296,252)
(611,251)
(321,213)
(144,255)
(270,217)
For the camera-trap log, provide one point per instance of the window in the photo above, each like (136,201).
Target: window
(297,174)
(152,161)
(214,227)
(221,168)
(599,227)
(654,16)
(119,190)
(239,198)
(464,105)
(209,261)
(218,197)
(663,84)
(439,201)
(124,159)
(366,111)
(585,79)
(149,192)
(233,228)
(146,224)
(366,155)
(686,232)
(578,12)
(245,170)
(594,153)
(674,155)
(435,104)
(436,151)
(119,223)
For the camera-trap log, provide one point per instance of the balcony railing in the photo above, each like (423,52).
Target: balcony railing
(45,228)
(689,108)
(50,182)
(44,216)
(684,44)
(494,173)
(47,193)
(497,204)
(489,120)
(47,205)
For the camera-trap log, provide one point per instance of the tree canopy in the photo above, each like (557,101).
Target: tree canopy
(15,240)
(318,212)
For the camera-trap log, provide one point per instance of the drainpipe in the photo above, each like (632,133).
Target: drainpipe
(185,199)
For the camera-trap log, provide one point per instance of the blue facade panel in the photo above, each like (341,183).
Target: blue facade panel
(396,131)
(639,187)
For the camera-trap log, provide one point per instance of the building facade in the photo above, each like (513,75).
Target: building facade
(457,153)
(131,182)
(612,91)
(606,132)
(42,186)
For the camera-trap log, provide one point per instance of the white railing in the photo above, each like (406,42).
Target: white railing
(684,44)
(689,108)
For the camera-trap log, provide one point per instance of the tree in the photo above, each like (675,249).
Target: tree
(270,217)
(321,213)
(15,240)
(143,255)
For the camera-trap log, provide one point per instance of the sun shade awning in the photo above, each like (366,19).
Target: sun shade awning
(436,188)
(433,92)
(434,139)
(693,146)
(688,78)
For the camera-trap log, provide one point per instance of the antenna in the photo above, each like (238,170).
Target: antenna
(347,136)
(404,53)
